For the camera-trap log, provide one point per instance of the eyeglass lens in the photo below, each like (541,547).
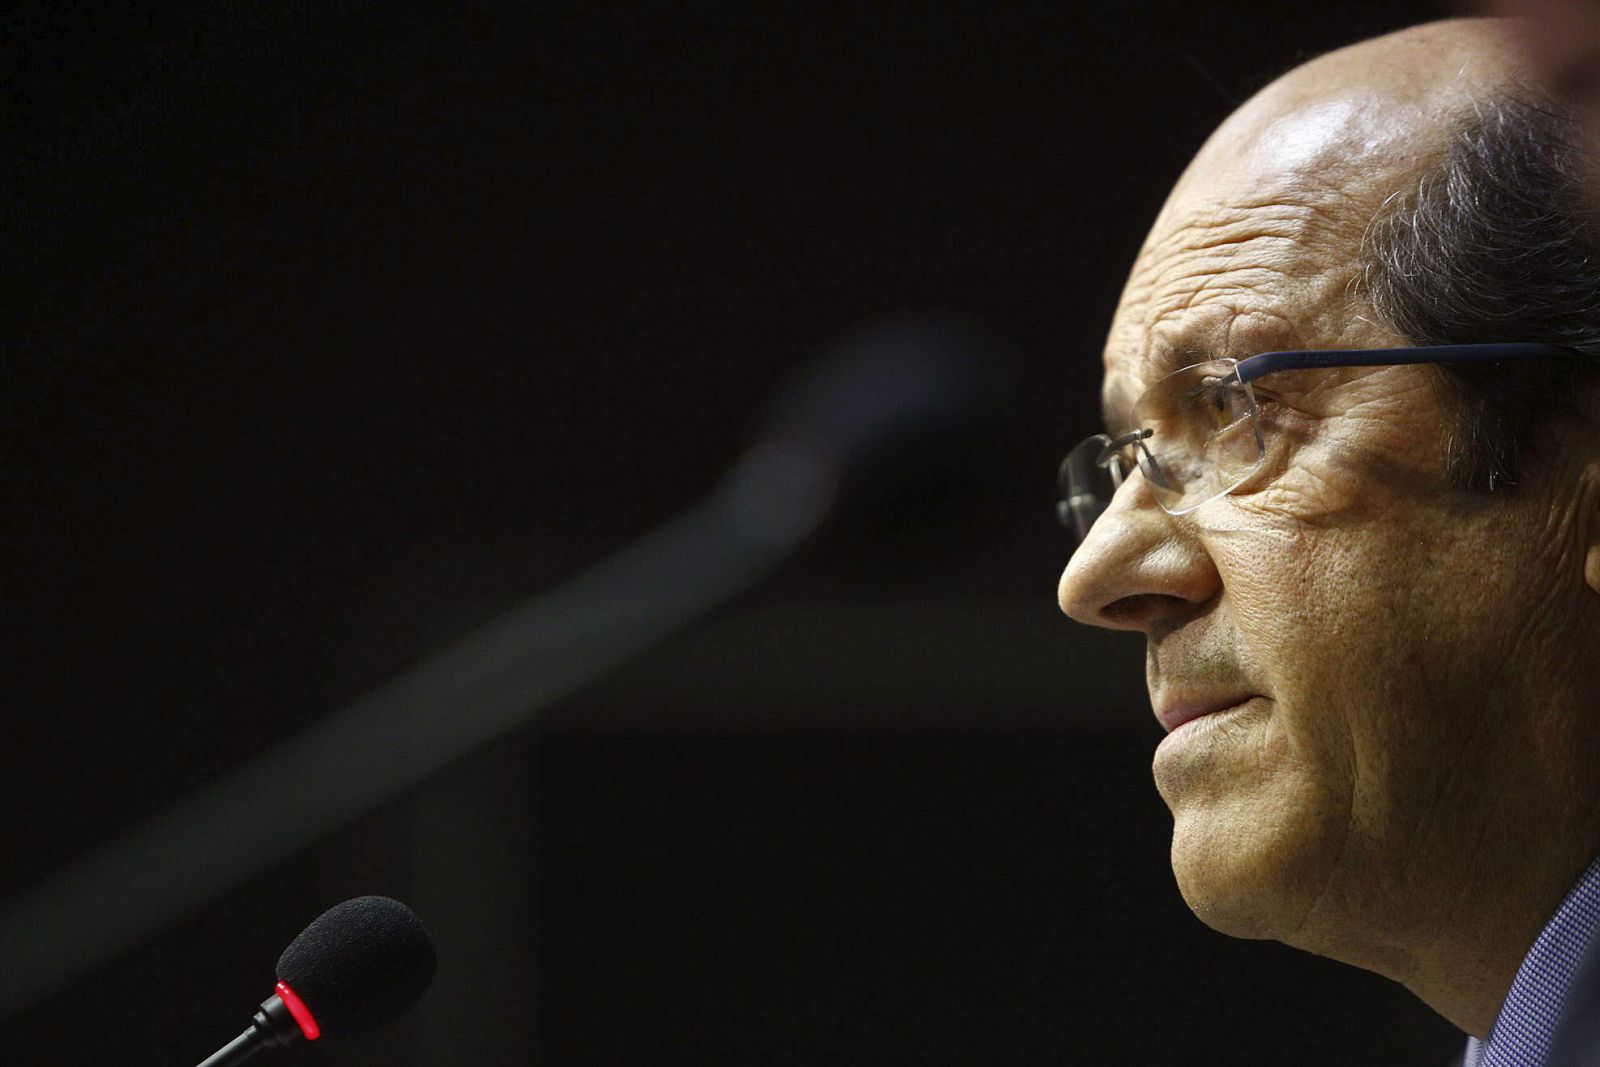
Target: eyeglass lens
(1201,439)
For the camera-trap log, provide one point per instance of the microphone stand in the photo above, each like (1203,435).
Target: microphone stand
(272,1027)
(873,390)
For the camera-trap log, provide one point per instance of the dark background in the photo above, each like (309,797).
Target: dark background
(336,332)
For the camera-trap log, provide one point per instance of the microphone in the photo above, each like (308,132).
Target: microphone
(358,965)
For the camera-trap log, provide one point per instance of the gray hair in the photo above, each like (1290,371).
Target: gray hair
(1494,243)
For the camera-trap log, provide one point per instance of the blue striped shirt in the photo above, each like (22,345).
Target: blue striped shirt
(1527,1021)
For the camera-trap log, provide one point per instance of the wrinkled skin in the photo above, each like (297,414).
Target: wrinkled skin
(1411,786)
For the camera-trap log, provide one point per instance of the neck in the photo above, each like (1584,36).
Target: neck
(1485,867)
(1482,935)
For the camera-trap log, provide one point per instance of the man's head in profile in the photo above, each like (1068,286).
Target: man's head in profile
(1370,593)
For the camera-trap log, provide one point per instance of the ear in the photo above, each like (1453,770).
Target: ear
(1591,541)
(1588,489)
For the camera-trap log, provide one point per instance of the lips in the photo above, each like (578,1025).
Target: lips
(1174,713)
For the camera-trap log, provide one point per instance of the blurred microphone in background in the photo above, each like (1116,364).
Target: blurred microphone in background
(873,407)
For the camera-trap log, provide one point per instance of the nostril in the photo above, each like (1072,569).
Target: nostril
(1140,608)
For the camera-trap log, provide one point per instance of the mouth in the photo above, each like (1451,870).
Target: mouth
(1174,713)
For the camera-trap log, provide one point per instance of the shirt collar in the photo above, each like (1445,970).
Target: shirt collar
(1523,1029)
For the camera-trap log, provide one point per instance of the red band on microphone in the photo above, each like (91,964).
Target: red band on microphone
(298,1009)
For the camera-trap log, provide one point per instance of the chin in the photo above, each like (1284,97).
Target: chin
(1256,829)
(1245,875)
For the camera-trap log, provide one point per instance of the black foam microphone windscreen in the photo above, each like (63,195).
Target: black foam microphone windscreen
(360,964)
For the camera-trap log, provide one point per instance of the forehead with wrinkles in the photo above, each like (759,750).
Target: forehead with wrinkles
(1258,246)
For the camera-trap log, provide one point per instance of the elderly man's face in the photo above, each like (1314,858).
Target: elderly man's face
(1365,625)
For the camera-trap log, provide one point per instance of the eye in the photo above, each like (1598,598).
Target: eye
(1265,400)
(1217,397)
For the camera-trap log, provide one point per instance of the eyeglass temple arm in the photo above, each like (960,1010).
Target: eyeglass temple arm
(1268,362)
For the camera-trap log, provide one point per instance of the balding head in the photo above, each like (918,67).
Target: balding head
(1404,669)
(1420,144)
(1364,113)
(1313,156)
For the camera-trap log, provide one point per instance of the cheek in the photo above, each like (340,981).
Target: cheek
(1350,455)
(1322,558)
(1347,628)
(1270,574)
(1315,480)
(1307,616)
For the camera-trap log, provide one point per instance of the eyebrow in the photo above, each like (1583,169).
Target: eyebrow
(1167,359)
(1176,357)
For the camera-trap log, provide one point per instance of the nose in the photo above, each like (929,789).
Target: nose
(1138,567)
